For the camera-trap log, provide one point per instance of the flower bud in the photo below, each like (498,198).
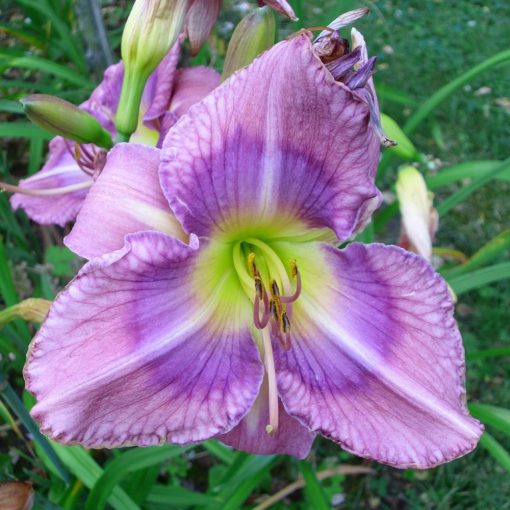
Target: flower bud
(404,148)
(254,34)
(65,119)
(151,29)
(31,310)
(419,218)
(201,19)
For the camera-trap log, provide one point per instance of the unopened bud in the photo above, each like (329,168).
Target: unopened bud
(404,148)
(153,26)
(254,34)
(280,6)
(31,310)
(65,119)
(419,218)
(201,19)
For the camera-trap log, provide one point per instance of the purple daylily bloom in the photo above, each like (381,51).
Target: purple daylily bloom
(258,331)
(63,183)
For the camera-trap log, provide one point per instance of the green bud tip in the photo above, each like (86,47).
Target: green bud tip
(65,119)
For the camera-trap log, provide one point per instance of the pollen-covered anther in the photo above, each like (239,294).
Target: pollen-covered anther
(274,303)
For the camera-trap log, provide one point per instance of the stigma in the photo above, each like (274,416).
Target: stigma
(271,316)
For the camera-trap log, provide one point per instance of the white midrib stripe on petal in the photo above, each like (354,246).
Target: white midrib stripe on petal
(272,155)
(59,170)
(393,379)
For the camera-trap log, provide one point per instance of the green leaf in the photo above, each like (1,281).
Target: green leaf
(69,45)
(436,99)
(466,170)
(125,463)
(488,353)
(316,497)
(493,249)
(394,95)
(479,278)
(496,450)
(164,497)
(46,66)
(497,417)
(12,400)
(61,259)
(22,129)
(443,93)
(84,467)
(249,477)
(6,105)
(460,195)
(219,451)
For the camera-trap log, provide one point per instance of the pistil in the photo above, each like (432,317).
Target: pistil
(274,322)
(272,426)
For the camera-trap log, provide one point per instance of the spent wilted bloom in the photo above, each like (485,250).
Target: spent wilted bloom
(55,194)
(240,318)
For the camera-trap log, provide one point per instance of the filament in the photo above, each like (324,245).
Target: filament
(272,426)
(45,192)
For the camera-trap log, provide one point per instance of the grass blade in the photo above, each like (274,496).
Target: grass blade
(497,417)
(481,277)
(496,450)
(46,66)
(493,249)
(488,353)
(436,99)
(125,463)
(460,195)
(243,484)
(163,497)
(466,170)
(69,45)
(316,497)
(219,451)
(12,400)
(84,467)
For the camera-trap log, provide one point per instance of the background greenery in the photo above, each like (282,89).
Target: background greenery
(421,47)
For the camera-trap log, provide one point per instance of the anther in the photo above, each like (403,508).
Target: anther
(251,265)
(284,323)
(275,290)
(294,271)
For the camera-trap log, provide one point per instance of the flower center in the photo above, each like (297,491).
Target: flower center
(263,277)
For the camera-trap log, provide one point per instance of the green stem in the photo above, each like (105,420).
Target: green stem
(128,110)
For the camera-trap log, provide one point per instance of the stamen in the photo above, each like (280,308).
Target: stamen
(284,323)
(294,271)
(251,265)
(45,192)
(272,426)
(275,290)
(261,323)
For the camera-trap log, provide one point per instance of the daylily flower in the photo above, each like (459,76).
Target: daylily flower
(258,330)
(55,194)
